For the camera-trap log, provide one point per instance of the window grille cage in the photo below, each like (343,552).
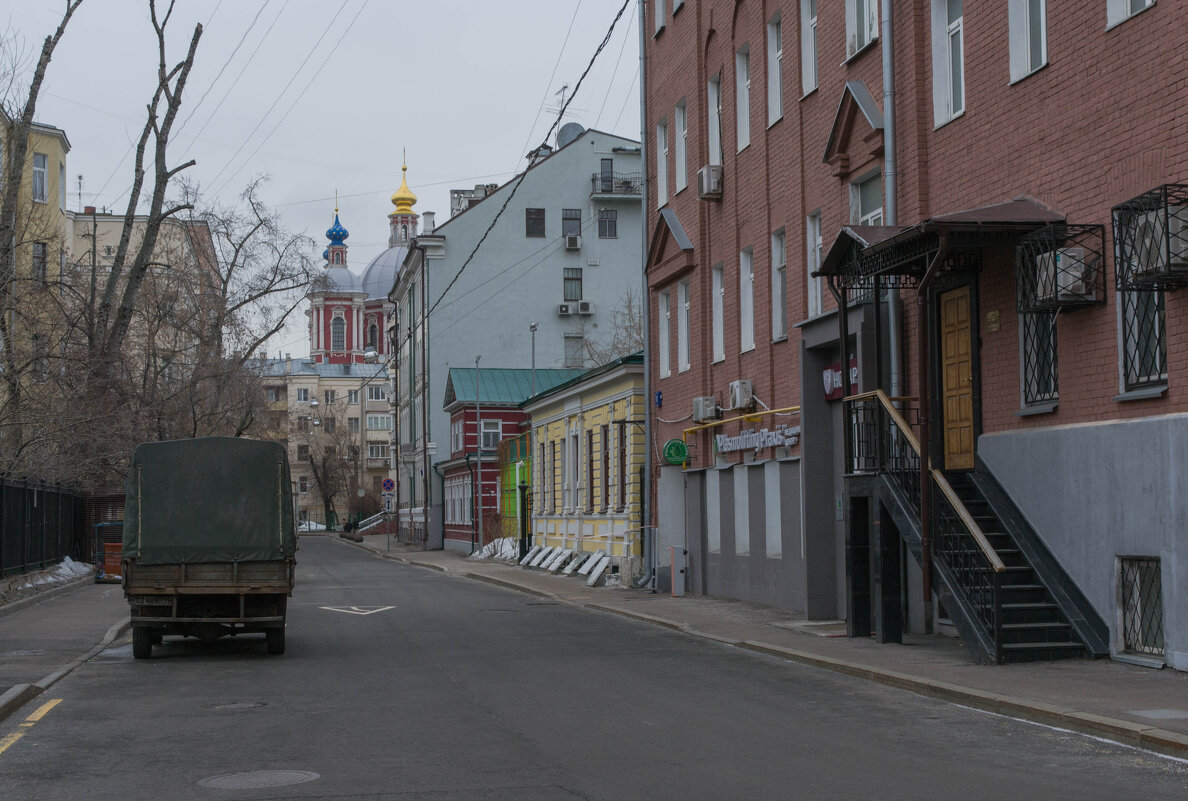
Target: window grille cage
(1142,605)
(1060,266)
(1040,366)
(1151,239)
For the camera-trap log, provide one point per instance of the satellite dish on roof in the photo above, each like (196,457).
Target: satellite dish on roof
(569,131)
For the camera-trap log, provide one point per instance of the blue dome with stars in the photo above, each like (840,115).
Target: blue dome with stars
(326,254)
(336,233)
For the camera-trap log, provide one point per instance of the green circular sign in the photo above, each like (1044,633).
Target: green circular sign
(676,451)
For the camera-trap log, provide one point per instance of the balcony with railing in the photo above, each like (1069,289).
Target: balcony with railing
(616,185)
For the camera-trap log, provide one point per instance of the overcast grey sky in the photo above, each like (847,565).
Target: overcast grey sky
(322,95)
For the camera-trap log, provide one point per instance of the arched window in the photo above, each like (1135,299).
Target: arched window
(373,337)
(338,257)
(338,334)
(405,231)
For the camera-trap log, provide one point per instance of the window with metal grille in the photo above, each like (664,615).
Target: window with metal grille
(1142,604)
(571,222)
(608,224)
(534,222)
(1040,374)
(1144,343)
(573,283)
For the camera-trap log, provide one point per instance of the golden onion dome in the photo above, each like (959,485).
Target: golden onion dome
(403,199)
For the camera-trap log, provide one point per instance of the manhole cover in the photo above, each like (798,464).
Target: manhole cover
(238,705)
(255,779)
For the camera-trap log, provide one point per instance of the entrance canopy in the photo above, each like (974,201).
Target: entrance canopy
(899,256)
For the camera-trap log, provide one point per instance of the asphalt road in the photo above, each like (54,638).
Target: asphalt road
(401,683)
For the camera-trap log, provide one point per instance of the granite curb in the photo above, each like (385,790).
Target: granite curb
(16,697)
(38,596)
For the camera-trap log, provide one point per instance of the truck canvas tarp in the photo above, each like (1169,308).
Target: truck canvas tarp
(214,499)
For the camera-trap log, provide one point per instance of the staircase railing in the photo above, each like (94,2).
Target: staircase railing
(369,522)
(879,440)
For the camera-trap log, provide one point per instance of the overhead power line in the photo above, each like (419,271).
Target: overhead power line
(560,115)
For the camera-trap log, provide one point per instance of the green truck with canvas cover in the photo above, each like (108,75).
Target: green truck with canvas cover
(209,541)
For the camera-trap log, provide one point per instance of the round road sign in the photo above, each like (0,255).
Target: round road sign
(389,485)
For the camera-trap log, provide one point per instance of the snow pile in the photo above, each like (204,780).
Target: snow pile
(67,570)
(310,525)
(507,548)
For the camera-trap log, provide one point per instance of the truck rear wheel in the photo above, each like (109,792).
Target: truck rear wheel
(142,642)
(276,641)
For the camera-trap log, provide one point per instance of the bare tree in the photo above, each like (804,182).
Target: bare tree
(626,333)
(331,449)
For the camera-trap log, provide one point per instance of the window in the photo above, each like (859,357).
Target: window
(456,429)
(663,318)
(329,424)
(1144,343)
(681,143)
(575,350)
(779,285)
(683,323)
(948,60)
(303,453)
(377,392)
(623,467)
(1121,10)
(775,70)
(608,224)
(866,201)
(746,299)
(534,222)
(303,396)
(606,175)
(813,285)
(61,186)
(862,24)
(659,15)
(605,442)
(589,470)
(572,283)
(39,257)
(338,334)
(329,396)
(1141,604)
(742,97)
(373,336)
(1040,375)
(273,394)
(662,162)
(379,422)
(352,396)
(714,117)
(492,433)
(353,425)
(40,178)
(40,355)
(302,484)
(571,222)
(377,450)
(808,45)
(718,292)
(1028,21)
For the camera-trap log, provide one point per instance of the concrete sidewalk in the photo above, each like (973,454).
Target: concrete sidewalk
(1143,707)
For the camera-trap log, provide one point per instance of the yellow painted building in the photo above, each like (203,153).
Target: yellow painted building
(588,452)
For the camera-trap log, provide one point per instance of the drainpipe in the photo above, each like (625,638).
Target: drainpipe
(645,495)
(922,350)
(426,509)
(472,523)
(890,191)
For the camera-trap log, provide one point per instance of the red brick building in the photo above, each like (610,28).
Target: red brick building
(1004,207)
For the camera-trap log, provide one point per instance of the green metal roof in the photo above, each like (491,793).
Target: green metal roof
(499,385)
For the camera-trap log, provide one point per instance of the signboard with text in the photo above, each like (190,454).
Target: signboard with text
(832,378)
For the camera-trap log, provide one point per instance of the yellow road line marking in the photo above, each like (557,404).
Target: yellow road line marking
(42,710)
(9,739)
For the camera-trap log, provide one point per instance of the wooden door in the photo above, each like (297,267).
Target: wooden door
(957,378)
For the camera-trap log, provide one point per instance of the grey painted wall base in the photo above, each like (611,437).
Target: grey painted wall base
(1100,491)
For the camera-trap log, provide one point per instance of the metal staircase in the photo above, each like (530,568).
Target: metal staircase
(1006,595)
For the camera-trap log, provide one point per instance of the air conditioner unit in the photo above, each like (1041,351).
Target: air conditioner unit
(565,309)
(705,407)
(741,394)
(709,182)
(1064,274)
(1151,240)
(585,307)
(573,242)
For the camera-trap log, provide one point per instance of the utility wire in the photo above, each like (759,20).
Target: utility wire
(300,96)
(280,94)
(618,61)
(520,180)
(549,85)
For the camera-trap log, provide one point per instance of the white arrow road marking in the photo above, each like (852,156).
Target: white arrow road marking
(357,610)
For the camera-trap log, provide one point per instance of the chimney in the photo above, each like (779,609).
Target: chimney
(427,223)
(88,210)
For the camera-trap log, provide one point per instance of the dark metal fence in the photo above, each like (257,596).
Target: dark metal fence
(40,525)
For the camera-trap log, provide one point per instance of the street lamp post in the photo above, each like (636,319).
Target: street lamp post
(478,441)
